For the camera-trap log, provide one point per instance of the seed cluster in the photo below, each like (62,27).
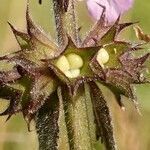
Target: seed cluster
(70,65)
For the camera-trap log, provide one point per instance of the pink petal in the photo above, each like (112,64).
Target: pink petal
(124,5)
(114,8)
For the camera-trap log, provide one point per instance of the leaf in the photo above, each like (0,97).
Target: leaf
(41,88)
(47,124)
(102,117)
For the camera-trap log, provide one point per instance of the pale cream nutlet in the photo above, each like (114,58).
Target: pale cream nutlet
(75,61)
(102,57)
(63,64)
(72,73)
(70,65)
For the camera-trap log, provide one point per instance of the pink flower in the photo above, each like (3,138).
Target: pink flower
(114,8)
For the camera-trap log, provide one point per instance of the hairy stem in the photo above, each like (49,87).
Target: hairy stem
(59,15)
(73,27)
(79,120)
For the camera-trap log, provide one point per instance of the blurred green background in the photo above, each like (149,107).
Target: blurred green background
(132,130)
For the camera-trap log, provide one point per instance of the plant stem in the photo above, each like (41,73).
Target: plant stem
(73,27)
(59,15)
(80,120)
